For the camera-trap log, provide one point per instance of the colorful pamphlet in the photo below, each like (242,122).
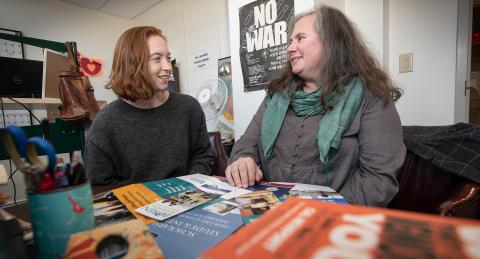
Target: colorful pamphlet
(176,204)
(190,214)
(189,234)
(315,192)
(214,185)
(301,228)
(107,208)
(135,196)
(255,204)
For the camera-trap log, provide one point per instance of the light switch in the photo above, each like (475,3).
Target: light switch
(406,62)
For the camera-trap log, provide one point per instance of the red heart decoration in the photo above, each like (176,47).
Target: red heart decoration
(90,67)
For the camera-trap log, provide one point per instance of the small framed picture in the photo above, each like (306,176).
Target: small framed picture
(11,49)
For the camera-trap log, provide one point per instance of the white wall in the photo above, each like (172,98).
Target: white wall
(246,103)
(205,30)
(339,4)
(192,27)
(368,17)
(168,17)
(427,28)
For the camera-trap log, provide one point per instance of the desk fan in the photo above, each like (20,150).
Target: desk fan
(212,96)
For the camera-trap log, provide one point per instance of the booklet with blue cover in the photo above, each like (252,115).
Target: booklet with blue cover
(188,234)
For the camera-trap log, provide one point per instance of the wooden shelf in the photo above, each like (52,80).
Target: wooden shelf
(32,103)
(38,103)
(34,100)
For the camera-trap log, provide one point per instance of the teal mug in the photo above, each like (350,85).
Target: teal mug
(57,214)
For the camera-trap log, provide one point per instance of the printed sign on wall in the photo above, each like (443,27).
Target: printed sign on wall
(263,40)
(201,59)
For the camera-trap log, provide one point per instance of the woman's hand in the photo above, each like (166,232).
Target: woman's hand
(243,172)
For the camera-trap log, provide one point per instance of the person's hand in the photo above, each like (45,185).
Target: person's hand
(243,172)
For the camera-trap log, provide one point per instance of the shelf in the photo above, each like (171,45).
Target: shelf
(32,103)
(38,103)
(34,100)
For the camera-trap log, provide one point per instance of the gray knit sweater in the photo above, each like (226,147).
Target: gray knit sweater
(127,144)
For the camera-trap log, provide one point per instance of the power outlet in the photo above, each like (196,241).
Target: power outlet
(405,63)
(15,117)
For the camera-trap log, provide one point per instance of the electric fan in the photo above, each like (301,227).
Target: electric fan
(212,96)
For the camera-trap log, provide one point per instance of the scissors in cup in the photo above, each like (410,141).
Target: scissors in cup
(39,175)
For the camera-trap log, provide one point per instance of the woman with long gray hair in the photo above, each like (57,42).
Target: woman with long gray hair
(328,119)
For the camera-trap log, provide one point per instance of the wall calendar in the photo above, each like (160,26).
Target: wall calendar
(11,49)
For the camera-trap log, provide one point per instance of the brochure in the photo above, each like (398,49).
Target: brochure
(315,192)
(107,208)
(190,214)
(255,204)
(189,234)
(301,228)
(176,204)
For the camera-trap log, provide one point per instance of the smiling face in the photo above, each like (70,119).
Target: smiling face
(305,49)
(159,66)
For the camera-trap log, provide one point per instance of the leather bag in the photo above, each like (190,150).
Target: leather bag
(79,105)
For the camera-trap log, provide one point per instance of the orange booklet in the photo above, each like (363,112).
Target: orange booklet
(312,229)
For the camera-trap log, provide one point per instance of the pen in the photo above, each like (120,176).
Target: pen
(61,180)
(47,183)
(77,174)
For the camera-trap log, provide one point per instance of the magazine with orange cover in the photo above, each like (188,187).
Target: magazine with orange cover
(135,196)
(311,229)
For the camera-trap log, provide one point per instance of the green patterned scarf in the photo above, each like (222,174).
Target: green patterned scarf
(331,126)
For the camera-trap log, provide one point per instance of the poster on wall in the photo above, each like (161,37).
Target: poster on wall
(225,125)
(263,40)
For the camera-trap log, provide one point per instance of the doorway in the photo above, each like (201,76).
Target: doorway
(474,87)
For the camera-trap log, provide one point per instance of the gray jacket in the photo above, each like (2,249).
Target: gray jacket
(364,167)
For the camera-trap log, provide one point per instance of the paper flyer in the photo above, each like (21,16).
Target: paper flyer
(198,229)
(255,204)
(107,208)
(214,185)
(135,196)
(315,192)
(300,228)
(176,204)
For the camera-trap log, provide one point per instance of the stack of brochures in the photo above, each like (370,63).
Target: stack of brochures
(198,211)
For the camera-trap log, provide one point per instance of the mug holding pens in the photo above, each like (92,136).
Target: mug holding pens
(59,195)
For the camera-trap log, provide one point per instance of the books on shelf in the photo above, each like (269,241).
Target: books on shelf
(300,228)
